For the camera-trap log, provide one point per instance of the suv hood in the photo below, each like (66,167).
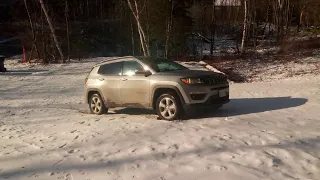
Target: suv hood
(190,73)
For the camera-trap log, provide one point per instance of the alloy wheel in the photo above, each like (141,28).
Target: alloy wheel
(168,108)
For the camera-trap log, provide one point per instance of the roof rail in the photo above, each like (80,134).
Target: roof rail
(113,59)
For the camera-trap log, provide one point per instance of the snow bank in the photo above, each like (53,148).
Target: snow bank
(200,66)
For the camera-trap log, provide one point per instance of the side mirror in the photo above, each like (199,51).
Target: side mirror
(146,73)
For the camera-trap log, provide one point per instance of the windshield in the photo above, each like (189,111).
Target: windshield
(161,64)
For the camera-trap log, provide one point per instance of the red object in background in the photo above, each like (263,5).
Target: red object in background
(24,55)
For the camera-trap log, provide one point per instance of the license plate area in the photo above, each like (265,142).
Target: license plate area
(223,92)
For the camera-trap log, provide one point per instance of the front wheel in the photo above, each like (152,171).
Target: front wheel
(96,105)
(168,107)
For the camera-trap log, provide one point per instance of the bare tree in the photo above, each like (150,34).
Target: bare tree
(136,13)
(168,21)
(302,11)
(280,19)
(52,29)
(213,26)
(169,27)
(245,24)
(132,37)
(66,13)
(32,30)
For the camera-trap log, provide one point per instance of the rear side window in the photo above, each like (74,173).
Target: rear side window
(111,69)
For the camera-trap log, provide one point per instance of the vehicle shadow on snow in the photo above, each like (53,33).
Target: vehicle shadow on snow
(245,106)
(135,111)
(235,107)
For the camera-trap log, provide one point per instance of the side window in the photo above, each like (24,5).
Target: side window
(131,67)
(111,69)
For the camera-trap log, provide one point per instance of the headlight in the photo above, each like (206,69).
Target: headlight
(192,80)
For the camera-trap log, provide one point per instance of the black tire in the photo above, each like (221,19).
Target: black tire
(96,105)
(174,101)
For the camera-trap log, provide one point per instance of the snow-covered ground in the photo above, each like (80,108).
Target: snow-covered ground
(270,130)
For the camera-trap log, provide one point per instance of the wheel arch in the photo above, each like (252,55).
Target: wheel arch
(158,90)
(92,91)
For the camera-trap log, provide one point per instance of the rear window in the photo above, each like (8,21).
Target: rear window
(111,69)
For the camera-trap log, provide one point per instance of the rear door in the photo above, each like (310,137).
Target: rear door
(134,88)
(110,78)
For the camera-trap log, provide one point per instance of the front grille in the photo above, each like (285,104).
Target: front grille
(214,80)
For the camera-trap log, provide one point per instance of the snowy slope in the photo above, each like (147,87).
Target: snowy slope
(270,130)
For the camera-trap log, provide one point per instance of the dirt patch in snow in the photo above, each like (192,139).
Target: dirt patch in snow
(267,67)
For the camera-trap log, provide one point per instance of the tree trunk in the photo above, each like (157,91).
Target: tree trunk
(213,26)
(143,40)
(301,18)
(88,9)
(44,43)
(51,29)
(146,7)
(245,22)
(33,31)
(169,27)
(281,12)
(280,20)
(256,25)
(132,37)
(66,12)
(288,18)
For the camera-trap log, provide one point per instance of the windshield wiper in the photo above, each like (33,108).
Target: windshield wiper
(166,70)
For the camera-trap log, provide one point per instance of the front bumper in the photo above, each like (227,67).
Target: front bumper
(217,94)
(214,101)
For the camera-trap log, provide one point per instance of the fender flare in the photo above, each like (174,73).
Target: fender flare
(167,87)
(95,90)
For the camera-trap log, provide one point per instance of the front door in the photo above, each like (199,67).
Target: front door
(134,87)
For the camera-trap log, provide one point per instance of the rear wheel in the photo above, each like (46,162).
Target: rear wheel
(168,107)
(96,105)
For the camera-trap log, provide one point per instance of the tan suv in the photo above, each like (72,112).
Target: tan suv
(161,84)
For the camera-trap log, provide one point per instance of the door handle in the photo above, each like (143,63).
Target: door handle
(124,79)
(101,79)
